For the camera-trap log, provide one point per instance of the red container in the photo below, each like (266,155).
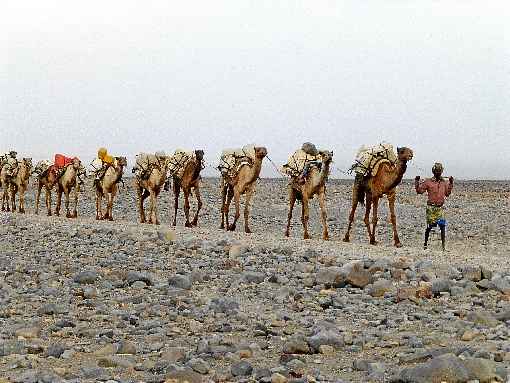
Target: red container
(61,160)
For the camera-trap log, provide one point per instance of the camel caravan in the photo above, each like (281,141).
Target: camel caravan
(378,171)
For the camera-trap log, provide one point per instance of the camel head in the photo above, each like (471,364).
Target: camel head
(326,156)
(28,163)
(199,154)
(260,152)
(76,163)
(405,154)
(121,161)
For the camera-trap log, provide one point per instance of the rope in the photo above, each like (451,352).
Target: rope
(276,168)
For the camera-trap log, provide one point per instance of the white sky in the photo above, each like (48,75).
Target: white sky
(150,75)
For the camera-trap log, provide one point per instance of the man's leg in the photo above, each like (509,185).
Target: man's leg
(443,236)
(427,232)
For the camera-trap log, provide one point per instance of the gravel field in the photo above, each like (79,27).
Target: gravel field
(85,301)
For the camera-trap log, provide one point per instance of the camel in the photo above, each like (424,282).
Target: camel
(67,182)
(47,179)
(315,183)
(190,180)
(242,183)
(14,184)
(106,187)
(372,188)
(19,183)
(151,186)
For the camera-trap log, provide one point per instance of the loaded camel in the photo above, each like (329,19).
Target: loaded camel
(151,185)
(315,184)
(106,186)
(19,183)
(372,188)
(242,183)
(190,180)
(65,184)
(47,178)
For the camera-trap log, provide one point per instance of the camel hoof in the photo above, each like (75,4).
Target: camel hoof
(49,214)
(373,243)
(346,239)
(287,234)
(247,231)
(187,224)
(398,245)
(222,226)
(306,236)
(232,228)
(194,223)
(110,218)
(325,237)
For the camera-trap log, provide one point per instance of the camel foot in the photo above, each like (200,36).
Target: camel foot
(174,224)
(194,223)
(306,236)
(325,237)
(187,224)
(222,226)
(247,230)
(346,239)
(68,215)
(49,214)
(110,218)
(398,245)
(22,211)
(231,227)
(74,215)
(287,234)
(373,242)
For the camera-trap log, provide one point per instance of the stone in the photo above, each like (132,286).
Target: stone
(326,337)
(425,290)
(440,285)
(126,347)
(380,287)
(326,349)
(330,276)
(278,378)
(242,368)
(12,347)
(184,376)
(174,354)
(54,350)
(482,318)
(483,370)
(253,277)
(199,365)
(135,276)
(28,332)
(406,293)
(356,275)
(86,277)
(167,235)
(180,281)
(472,273)
(469,335)
(501,284)
(445,368)
(296,345)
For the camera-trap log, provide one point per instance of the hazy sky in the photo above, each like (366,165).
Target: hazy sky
(150,75)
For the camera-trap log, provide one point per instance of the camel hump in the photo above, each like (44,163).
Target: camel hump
(179,160)
(232,160)
(42,167)
(370,158)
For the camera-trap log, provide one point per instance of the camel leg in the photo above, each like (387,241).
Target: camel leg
(37,196)
(223,203)
(22,199)
(247,201)
(99,203)
(366,219)
(186,206)
(66,194)
(199,205)
(230,195)
(305,217)
(153,208)
(111,197)
(391,205)
(13,192)
(355,201)
(324,216)
(59,201)
(237,202)
(76,194)
(3,196)
(292,201)
(142,195)
(177,191)
(47,196)
(375,201)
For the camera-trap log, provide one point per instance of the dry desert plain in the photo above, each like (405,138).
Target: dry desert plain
(84,300)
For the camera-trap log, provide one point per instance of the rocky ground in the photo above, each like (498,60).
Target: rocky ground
(84,301)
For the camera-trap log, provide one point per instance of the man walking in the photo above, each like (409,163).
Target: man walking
(437,190)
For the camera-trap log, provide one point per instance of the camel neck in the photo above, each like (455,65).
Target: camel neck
(257,166)
(400,169)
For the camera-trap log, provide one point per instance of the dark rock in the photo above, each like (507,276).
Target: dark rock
(242,368)
(180,281)
(86,277)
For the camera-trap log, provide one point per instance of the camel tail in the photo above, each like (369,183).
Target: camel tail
(360,190)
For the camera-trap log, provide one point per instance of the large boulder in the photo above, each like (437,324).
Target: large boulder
(445,368)
(356,275)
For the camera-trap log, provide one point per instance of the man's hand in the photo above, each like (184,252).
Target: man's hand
(417,178)
(451,179)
